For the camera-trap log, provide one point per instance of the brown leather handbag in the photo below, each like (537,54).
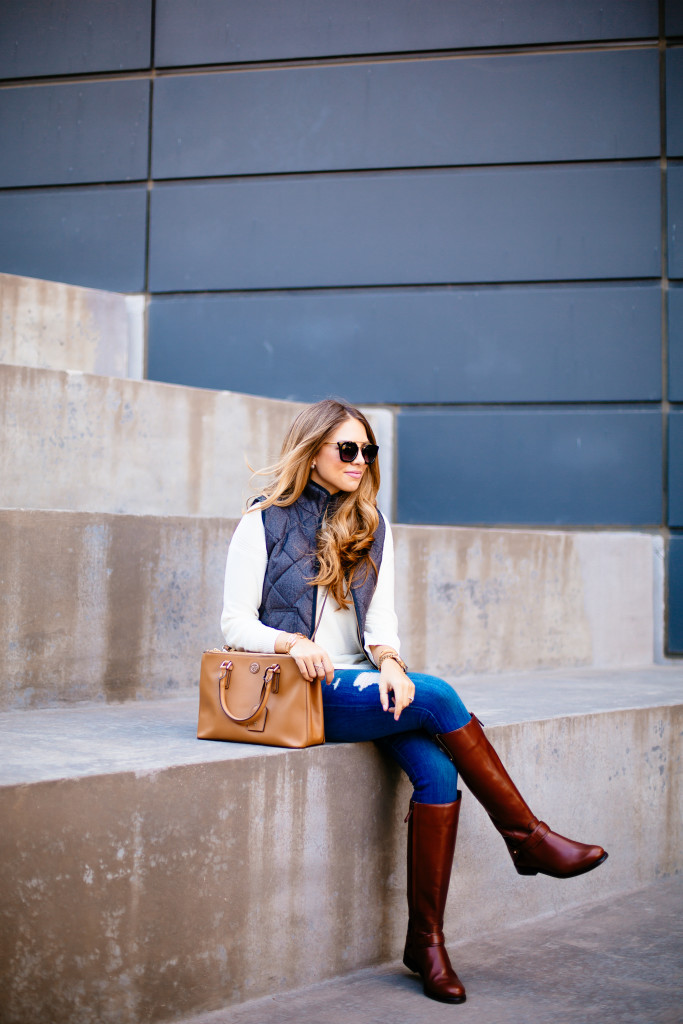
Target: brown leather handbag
(258,698)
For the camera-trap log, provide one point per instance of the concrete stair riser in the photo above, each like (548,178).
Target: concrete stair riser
(66,327)
(151,895)
(477,600)
(117,607)
(88,443)
(97,607)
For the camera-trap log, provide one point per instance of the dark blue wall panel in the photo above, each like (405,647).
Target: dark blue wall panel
(509,344)
(224,31)
(67,37)
(676,467)
(675,210)
(93,237)
(536,466)
(64,134)
(675,301)
(675,594)
(407,228)
(673,17)
(674,101)
(539,107)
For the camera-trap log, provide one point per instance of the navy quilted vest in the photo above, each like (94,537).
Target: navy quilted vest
(289,601)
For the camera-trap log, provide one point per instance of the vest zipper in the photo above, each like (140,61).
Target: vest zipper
(317,570)
(360,638)
(315,609)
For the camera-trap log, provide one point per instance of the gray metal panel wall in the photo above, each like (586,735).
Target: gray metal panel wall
(588,343)
(481,110)
(227,31)
(675,208)
(553,466)
(58,235)
(67,37)
(675,594)
(675,302)
(674,101)
(675,466)
(69,134)
(407,227)
(673,17)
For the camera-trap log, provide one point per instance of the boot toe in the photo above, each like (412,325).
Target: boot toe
(445,987)
(439,980)
(557,856)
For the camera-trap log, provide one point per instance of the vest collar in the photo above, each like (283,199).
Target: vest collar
(319,499)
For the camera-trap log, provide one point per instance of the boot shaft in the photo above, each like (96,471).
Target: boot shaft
(432,832)
(485,776)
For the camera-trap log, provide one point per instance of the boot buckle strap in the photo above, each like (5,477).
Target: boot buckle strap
(424,940)
(536,836)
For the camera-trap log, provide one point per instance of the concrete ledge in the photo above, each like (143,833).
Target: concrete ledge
(65,327)
(117,607)
(152,892)
(88,443)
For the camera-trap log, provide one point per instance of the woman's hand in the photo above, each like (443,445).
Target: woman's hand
(393,678)
(312,660)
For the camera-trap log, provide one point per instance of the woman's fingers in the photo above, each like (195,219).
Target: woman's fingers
(403,689)
(302,665)
(307,669)
(312,661)
(328,669)
(323,668)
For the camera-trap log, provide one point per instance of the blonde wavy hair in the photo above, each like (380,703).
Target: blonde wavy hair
(346,535)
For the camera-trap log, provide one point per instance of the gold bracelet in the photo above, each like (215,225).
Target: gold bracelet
(394,657)
(292,639)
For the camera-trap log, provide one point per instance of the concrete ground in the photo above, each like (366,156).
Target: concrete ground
(619,961)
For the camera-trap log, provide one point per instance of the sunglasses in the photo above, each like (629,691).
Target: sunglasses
(348,451)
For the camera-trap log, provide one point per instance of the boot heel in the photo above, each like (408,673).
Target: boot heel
(526,871)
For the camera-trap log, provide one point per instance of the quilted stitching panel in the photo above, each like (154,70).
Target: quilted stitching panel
(287,601)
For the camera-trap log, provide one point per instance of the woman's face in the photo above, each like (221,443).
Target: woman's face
(327,468)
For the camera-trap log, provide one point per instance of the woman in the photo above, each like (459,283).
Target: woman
(310,573)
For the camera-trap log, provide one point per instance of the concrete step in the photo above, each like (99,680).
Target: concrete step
(150,875)
(616,961)
(90,443)
(118,607)
(66,327)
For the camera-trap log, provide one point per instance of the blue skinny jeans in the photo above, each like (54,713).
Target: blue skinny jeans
(353,713)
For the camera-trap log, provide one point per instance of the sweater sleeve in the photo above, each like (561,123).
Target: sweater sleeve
(244,573)
(381,623)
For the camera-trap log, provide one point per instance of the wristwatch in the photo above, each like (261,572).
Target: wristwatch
(394,657)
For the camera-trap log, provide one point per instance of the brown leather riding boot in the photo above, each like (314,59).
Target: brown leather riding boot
(432,829)
(532,845)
